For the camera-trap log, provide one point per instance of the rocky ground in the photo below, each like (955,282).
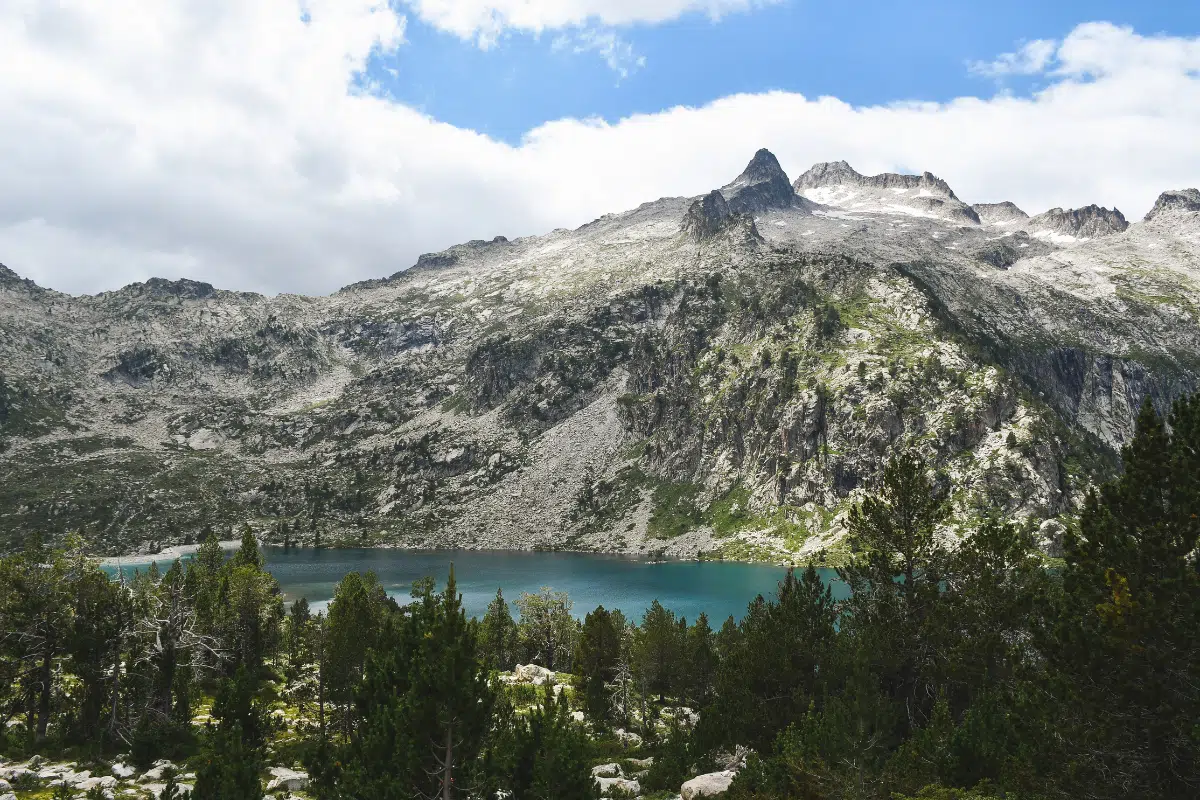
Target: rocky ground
(719,376)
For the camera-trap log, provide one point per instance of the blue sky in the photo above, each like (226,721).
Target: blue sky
(865,53)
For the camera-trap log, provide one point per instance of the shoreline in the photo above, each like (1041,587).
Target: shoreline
(167,554)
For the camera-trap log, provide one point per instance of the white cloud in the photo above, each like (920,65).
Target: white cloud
(224,141)
(1031,59)
(617,53)
(485,20)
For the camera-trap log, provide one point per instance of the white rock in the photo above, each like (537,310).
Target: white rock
(621,784)
(710,785)
(612,770)
(122,771)
(8,796)
(287,780)
(628,737)
(532,673)
(4,785)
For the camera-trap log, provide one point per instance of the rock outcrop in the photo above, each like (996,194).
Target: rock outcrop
(713,784)
(1088,222)
(838,183)
(1005,214)
(1175,201)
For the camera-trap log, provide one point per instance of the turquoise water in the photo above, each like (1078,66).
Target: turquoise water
(718,588)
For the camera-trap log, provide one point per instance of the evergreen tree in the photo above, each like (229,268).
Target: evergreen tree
(701,660)
(658,651)
(551,759)
(772,670)
(596,662)
(232,760)
(1127,646)
(498,635)
(352,629)
(425,706)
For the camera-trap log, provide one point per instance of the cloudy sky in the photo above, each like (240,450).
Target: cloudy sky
(300,145)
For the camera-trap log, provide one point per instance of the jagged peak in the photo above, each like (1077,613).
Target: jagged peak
(762,185)
(762,168)
(840,173)
(1174,200)
(184,288)
(1088,222)
(11,279)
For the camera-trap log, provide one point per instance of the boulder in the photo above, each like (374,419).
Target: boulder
(155,773)
(620,784)
(612,770)
(532,673)
(283,779)
(628,737)
(8,796)
(5,786)
(122,771)
(1050,538)
(710,785)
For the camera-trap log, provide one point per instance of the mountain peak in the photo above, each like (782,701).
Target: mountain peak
(1088,222)
(839,173)
(1002,213)
(762,168)
(762,185)
(1174,200)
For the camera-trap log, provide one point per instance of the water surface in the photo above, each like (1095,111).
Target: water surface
(718,588)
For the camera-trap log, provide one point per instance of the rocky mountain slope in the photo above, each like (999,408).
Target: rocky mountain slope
(723,374)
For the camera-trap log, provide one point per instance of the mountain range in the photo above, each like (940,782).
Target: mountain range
(721,375)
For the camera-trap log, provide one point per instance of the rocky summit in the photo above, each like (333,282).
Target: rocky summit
(721,375)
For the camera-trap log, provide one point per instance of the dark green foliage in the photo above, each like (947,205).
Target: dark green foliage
(658,647)
(171,789)
(424,706)
(233,755)
(1128,642)
(673,763)
(550,757)
(498,639)
(770,670)
(596,661)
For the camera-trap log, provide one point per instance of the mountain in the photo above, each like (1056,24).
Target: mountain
(925,195)
(723,374)
(1079,223)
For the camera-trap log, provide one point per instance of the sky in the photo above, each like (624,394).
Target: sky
(302,145)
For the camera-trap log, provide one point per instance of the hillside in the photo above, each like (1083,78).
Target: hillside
(723,374)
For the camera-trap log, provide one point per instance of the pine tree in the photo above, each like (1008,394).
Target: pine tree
(1128,643)
(498,635)
(596,661)
(551,759)
(232,759)
(425,706)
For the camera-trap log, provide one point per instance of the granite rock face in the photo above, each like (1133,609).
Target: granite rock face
(1088,222)
(721,374)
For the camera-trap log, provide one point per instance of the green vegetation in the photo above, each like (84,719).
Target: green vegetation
(964,672)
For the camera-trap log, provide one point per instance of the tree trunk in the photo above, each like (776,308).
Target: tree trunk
(448,773)
(44,675)
(321,697)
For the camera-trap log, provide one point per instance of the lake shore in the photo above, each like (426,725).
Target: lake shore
(167,554)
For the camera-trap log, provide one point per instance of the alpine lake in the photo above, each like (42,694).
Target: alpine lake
(717,588)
